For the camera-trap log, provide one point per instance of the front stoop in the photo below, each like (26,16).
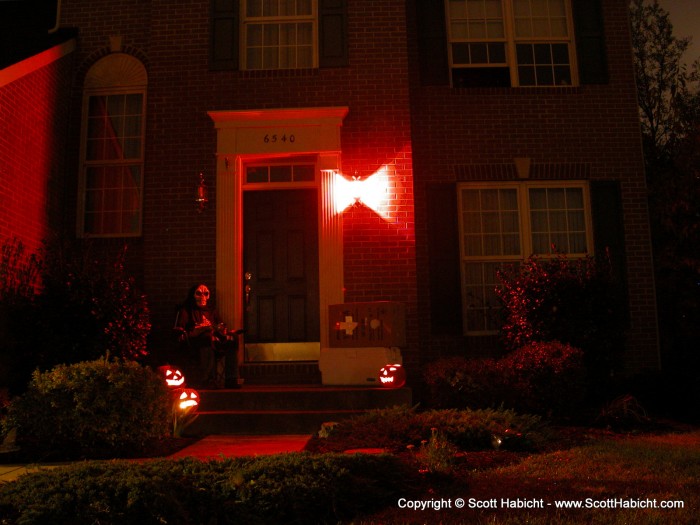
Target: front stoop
(281,372)
(286,409)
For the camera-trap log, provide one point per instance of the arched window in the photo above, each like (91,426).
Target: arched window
(112,143)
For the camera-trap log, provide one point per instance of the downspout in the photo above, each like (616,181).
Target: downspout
(58,17)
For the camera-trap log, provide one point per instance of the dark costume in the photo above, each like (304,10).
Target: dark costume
(218,349)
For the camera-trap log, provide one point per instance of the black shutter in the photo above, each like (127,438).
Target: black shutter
(590,41)
(432,43)
(223,34)
(333,33)
(609,232)
(443,260)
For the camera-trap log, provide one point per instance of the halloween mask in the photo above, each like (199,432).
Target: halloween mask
(201,296)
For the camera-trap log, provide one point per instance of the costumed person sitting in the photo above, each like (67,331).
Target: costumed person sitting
(206,333)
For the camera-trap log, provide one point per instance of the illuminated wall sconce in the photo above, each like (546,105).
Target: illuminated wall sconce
(202,198)
(370,191)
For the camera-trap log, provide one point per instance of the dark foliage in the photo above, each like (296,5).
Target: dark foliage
(91,409)
(396,428)
(573,301)
(289,488)
(546,378)
(65,305)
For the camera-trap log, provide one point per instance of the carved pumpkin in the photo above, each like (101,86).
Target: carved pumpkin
(392,376)
(188,400)
(174,378)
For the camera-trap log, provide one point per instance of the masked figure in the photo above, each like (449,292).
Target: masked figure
(207,334)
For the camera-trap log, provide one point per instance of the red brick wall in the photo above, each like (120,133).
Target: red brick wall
(172,40)
(595,125)
(33,131)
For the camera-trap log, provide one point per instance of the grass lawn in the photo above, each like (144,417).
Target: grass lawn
(608,470)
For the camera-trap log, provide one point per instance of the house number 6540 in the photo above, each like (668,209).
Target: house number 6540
(278,138)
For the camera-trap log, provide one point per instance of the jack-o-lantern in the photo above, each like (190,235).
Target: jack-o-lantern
(392,376)
(187,400)
(174,378)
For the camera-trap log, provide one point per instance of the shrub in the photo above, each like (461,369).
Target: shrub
(542,378)
(575,301)
(89,306)
(285,488)
(19,276)
(91,409)
(545,378)
(396,428)
(457,382)
(65,305)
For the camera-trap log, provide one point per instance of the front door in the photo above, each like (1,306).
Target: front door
(281,271)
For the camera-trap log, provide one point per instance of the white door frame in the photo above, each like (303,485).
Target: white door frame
(256,134)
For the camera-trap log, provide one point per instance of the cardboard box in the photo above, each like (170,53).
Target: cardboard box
(366,325)
(355,366)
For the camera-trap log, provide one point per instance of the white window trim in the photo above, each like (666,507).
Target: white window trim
(243,34)
(525,231)
(511,41)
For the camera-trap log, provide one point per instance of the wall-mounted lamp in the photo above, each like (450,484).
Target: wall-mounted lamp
(371,191)
(202,198)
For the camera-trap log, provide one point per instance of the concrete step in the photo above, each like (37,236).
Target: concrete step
(281,372)
(286,409)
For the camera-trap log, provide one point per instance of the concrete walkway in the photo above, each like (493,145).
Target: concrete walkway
(210,447)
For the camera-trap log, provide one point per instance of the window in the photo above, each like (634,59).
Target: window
(503,224)
(111,177)
(498,43)
(280,173)
(279,34)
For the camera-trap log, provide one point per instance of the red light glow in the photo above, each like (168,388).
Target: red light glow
(370,191)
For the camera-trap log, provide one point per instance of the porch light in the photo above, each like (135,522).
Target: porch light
(202,198)
(370,191)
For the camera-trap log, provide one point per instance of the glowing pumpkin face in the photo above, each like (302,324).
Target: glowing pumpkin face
(188,400)
(174,378)
(392,376)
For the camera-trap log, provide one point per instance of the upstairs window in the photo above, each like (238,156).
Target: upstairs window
(502,43)
(112,151)
(279,34)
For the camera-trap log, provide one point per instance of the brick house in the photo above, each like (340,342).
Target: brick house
(367,150)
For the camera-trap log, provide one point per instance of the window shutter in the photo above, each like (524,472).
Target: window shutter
(590,41)
(223,34)
(443,260)
(333,33)
(609,231)
(432,43)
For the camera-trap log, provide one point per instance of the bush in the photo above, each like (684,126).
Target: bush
(19,275)
(89,306)
(65,305)
(91,409)
(573,301)
(286,488)
(396,428)
(545,378)
(458,382)
(541,378)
